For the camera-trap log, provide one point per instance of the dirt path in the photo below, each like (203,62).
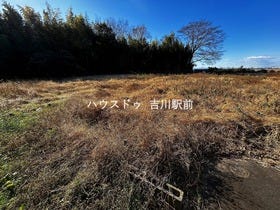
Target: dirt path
(249,185)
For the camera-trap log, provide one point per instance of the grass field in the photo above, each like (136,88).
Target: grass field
(57,152)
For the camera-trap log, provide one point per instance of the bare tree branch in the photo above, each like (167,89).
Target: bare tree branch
(204,40)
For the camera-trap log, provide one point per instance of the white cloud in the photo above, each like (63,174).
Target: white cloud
(259,57)
(261,61)
(258,61)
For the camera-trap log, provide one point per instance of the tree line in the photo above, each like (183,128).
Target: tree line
(34,45)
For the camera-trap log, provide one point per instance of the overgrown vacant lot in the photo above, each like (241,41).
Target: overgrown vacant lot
(58,153)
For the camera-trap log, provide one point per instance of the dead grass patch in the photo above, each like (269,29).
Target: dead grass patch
(89,158)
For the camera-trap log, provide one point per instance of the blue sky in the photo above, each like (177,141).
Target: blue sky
(252,27)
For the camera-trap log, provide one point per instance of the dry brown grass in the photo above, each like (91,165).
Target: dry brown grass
(218,98)
(80,157)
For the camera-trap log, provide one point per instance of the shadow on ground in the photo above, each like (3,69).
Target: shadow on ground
(244,184)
